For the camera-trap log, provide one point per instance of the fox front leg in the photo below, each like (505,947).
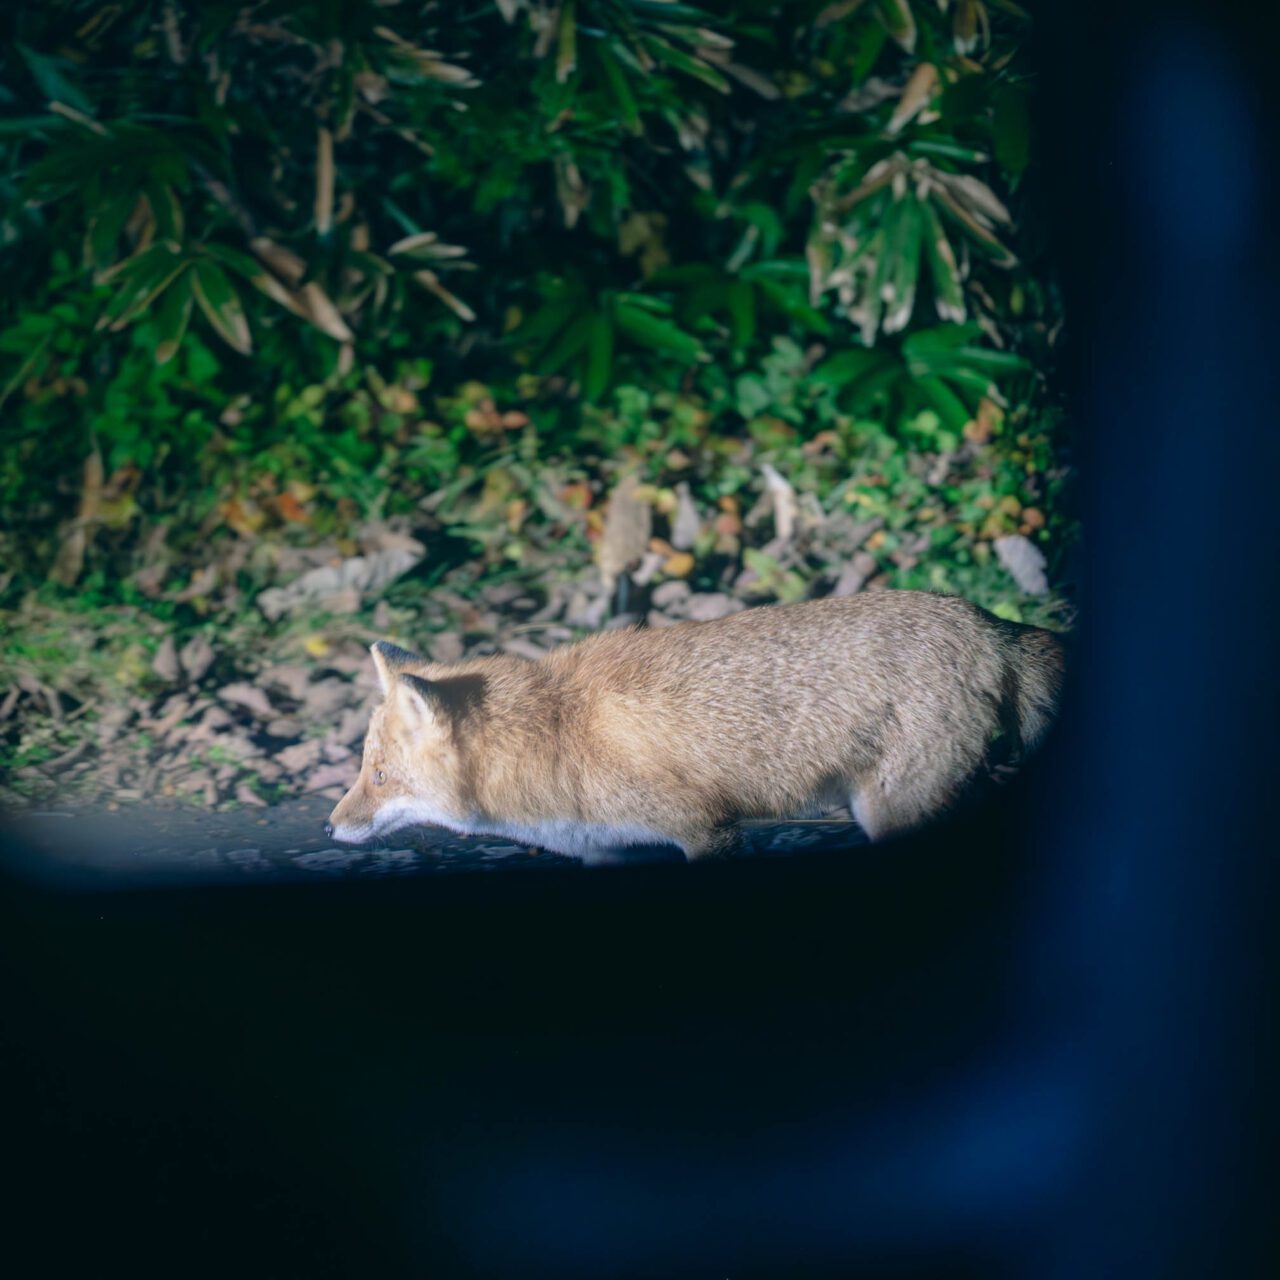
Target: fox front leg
(714,842)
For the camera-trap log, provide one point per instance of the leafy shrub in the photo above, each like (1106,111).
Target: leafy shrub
(274,269)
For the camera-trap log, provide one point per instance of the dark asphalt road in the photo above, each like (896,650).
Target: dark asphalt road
(135,847)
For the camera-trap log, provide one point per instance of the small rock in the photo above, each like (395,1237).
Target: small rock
(216,718)
(670,595)
(283,727)
(659,620)
(165,663)
(1024,562)
(335,751)
(708,605)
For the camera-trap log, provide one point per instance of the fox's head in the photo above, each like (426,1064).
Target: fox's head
(413,767)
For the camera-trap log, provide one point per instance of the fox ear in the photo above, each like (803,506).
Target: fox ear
(451,702)
(389,660)
(418,698)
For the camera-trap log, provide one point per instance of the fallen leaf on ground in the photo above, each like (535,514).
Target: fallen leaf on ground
(1024,562)
(250,697)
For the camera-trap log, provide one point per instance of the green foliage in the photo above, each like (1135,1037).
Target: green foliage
(276,270)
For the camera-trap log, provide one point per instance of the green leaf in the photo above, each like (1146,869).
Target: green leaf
(567,42)
(1011,128)
(868,44)
(741,301)
(619,87)
(650,331)
(681,61)
(47,73)
(221,306)
(845,367)
(545,323)
(243,264)
(599,360)
(948,291)
(173,317)
(104,231)
(570,344)
(950,408)
(25,126)
(143,277)
(905,257)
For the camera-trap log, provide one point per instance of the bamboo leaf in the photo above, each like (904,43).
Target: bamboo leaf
(681,61)
(599,359)
(1011,128)
(173,317)
(916,94)
(221,306)
(568,346)
(148,275)
(47,73)
(899,22)
(660,335)
(567,42)
(948,292)
(620,88)
(324,181)
(906,267)
(950,408)
(741,301)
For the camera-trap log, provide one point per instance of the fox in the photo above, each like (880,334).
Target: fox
(886,701)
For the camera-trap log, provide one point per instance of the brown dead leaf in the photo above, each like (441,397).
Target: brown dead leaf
(165,663)
(70,560)
(915,95)
(289,508)
(980,429)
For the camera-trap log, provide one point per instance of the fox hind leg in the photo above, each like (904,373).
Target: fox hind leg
(885,806)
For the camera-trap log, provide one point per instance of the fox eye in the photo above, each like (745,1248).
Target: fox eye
(379,777)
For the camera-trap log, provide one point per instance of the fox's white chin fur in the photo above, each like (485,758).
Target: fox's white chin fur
(560,835)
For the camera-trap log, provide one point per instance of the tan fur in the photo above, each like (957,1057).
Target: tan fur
(886,700)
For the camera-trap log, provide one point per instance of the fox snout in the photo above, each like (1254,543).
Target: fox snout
(327,828)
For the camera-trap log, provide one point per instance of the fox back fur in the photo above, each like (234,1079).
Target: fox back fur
(887,701)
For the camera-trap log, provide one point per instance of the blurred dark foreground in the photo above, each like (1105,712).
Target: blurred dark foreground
(1035,1042)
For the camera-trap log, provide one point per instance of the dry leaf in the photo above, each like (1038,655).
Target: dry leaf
(678,565)
(785,506)
(628,523)
(915,95)
(1024,562)
(686,525)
